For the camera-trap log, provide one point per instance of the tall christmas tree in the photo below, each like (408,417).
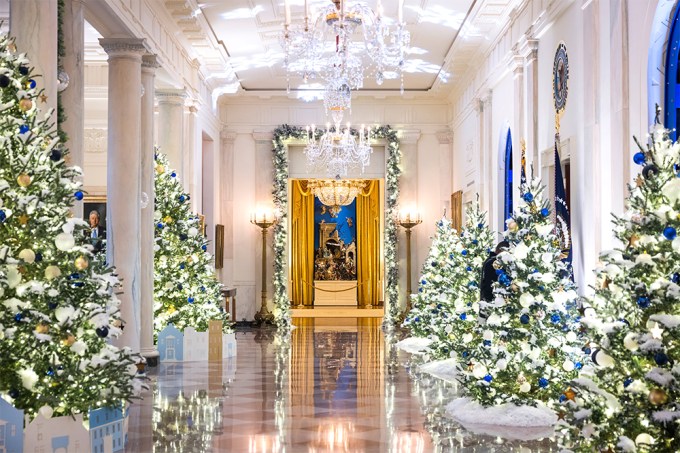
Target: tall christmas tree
(628,399)
(528,348)
(435,287)
(59,310)
(459,315)
(186,289)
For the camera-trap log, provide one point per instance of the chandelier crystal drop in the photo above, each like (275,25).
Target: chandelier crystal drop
(336,192)
(337,150)
(325,48)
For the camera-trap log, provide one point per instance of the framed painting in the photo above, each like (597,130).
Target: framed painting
(219,246)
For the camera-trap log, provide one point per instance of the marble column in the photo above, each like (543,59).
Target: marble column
(517,127)
(123,176)
(171,126)
(34,25)
(73,97)
(409,196)
(445,139)
(192,156)
(148,350)
(226,184)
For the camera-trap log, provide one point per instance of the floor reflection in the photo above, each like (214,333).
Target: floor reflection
(335,385)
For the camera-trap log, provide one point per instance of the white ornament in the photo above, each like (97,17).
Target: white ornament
(64,314)
(525,387)
(630,342)
(479,371)
(502,364)
(547,258)
(568,365)
(13,276)
(521,251)
(571,336)
(193,231)
(46,411)
(64,241)
(467,338)
(493,320)
(27,255)
(487,335)
(603,360)
(79,347)
(52,272)
(28,378)
(526,299)
(544,230)
(644,439)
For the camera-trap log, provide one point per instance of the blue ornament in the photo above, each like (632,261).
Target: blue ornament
(563,398)
(543,382)
(627,381)
(434,264)
(465,354)
(180,286)
(486,342)
(14,393)
(675,278)
(202,289)
(669,233)
(182,198)
(451,256)
(78,195)
(159,225)
(52,305)
(504,279)
(183,237)
(480,225)
(643,301)
(488,378)
(475,241)
(555,318)
(500,271)
(440,224)
(524,319)
(50,371)
(204,247)
(472,284)
(31,83)
(639,158)
(74,276)
(78,284)
(417,319)
(578,365)
(55,155)
(463,316)
(661,358)
(102,332)
(23,129)
(38,257)
(423,282)
(541,288)
(528,197)
(468,268)
(545,212)
(464,252)
(23,70)
(18,317)
(586,350)
(182,265)
(190,300)
(173,174)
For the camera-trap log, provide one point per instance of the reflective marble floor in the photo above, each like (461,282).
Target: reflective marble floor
(331,385)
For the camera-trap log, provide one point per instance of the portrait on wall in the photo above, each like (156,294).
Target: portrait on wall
(94,213)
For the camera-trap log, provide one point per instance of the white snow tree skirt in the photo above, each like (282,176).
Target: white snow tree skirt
(414,345)
(508,420)
(442,369)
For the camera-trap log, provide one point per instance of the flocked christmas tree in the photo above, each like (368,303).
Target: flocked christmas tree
(459,315)
(527,349)
(435,287)
(186,289)
(628,399)
(59,311)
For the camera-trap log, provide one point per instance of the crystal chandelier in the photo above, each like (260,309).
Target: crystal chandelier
(325,48)
(336,192)
(338,150)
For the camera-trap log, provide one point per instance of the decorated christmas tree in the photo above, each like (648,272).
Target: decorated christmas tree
(458,321)
(435,287)
(59,310)
(527,349)
(627,400)
(186,289)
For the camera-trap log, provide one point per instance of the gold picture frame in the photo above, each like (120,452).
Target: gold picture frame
(202,227)
(457,210)
(219,246)
(95,203)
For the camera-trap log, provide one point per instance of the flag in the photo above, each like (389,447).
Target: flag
(562,220)
(523,176)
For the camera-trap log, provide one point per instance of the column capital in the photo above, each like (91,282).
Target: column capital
(228,137)
(124,47)
(527,47)
(409,136)
(516,63)
(150,63)
(171,96)
(445,137)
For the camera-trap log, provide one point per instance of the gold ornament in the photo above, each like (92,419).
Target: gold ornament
(43,98)
(42,328)
(25,104)
(167,219)
(632,242)
(12,47)
(81,263)
(552,352)
(160,169)
(23,219)
(470,366)
(658,397)
(68,340)
(23,180)
(22,270)
(117,323)
(639,181)
(570,394)
(521,379)
(171,309)
(514,287)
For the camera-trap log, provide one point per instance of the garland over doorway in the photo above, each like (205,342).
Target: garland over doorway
(280,192)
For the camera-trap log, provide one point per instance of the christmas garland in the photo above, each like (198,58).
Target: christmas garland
(280,193)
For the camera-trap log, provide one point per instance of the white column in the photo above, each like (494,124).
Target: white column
(123,176)
(445,139)
(408,197)
(171,127)
(517,126)
(34,25)
(192,147)
(226,184)
(148,350)
(72,98)
(529,51)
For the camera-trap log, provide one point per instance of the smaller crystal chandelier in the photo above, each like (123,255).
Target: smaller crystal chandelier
(335,193)
(337,150)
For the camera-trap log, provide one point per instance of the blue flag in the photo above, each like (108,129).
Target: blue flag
(562,220)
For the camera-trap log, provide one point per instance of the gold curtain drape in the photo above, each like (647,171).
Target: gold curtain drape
(302,244)
(368,244)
